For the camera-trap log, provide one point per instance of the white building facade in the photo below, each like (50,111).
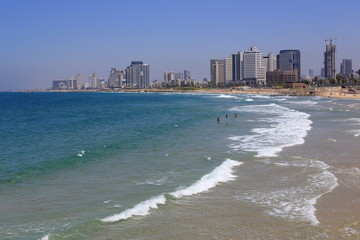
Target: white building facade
(254,71)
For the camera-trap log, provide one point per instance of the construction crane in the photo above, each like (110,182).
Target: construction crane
(332,39)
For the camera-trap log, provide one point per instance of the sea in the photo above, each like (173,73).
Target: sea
(91,165)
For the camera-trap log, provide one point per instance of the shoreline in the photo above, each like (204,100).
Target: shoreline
(326,92)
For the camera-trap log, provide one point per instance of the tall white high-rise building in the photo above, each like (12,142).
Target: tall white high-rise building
(169,77)
(179,76)
(254,71)
(93,81)
(217,71)
(138,75)
(228,70)
(272,62)
(78,81)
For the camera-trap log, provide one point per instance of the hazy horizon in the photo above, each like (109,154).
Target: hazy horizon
(45,40)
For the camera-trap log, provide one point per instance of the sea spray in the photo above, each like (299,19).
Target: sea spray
(220,174)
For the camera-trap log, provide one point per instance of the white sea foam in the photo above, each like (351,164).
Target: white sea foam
(329,140)
(46,237)
(355,132)
(350,177)
(249,100)
(81,153)
(260,96)
(355,121)
(222,173)
(297,203)
(288,128)
(153,182)
(307,102)
(227,96)
(141,209)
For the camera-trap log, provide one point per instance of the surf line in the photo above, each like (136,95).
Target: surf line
(222,173)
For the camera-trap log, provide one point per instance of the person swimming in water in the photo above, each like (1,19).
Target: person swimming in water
(235,115)
(218,120)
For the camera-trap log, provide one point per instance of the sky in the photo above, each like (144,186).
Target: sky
(42,40)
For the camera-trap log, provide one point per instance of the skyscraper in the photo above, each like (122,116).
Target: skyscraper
(179,76)
(289,60)
(138,75)
(329,61)
(217,71)
(116,78)
(311,73)
(238,66)
(272,62)
(93,81)
(346,66)
(169,77)
(254,71)
(228,70)
(187,76)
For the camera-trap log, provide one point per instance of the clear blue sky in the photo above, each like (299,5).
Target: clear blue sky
(41,40)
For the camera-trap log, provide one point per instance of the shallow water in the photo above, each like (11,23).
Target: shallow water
(159,166)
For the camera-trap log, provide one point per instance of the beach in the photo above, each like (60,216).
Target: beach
(328,92)
(157,165)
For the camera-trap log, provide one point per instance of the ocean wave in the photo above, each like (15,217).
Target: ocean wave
(220,174)
(157,182)
(46,237)
(227,96)
(307,102)
(288,128)
(355,132)
(350,177)
(296,203)
(353,121)
(260,96)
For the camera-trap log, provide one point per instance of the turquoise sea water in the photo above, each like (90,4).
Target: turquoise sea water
(121,165)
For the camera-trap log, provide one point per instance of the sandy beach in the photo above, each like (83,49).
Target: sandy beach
(328,92)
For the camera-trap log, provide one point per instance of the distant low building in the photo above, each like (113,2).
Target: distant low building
(297,85)
(279,78)
(68,84)
(60,84)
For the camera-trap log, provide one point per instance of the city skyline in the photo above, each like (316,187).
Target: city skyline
(45,40)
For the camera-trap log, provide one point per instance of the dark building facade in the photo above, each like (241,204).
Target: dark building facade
(279,78)
(290,60)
